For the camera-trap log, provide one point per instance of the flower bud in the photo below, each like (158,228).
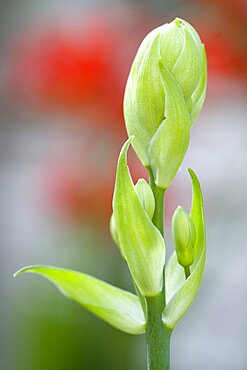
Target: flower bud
(164,94)
(113,231)
(146,196)
(184,236)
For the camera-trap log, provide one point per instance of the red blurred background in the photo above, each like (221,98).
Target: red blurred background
(78,68)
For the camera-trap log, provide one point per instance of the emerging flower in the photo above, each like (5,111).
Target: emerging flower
(165,92)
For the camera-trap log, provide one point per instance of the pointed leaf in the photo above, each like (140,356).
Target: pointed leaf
(119,308)
(141,242)
(181,292)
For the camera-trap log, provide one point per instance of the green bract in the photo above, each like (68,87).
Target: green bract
(146,197)
(119,308)
(184,235)
(164,94)
(140,241)
(180,293)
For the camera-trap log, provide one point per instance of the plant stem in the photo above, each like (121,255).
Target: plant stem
(158,217)
(157,335)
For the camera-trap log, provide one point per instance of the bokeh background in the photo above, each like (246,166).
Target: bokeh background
(63,68)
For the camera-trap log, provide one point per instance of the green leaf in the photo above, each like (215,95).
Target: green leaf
(181,292)
(119,308)
(141,242)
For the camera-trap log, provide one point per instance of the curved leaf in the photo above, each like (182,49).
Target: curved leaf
(119,308)
(181,292)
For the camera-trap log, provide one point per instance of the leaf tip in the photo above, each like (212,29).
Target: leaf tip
(194,178)
(20,271)
(191,172)
(31,268)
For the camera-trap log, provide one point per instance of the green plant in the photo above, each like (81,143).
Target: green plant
(164,94)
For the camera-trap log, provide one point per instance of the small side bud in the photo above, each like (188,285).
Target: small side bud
(184,236)
(114,235)
(146,196)
(113,230)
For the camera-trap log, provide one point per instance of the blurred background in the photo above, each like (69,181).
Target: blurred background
(63,69)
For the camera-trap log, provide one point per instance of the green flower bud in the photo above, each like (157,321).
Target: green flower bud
(113,231)
(146,196)
(164,94)
(184,236)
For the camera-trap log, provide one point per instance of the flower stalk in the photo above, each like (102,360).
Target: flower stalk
(157,335)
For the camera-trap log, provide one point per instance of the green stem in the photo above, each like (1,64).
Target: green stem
(158,217)
(157,335)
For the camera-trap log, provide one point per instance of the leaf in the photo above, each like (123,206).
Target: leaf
(181,292)
(119,308)
(140,241)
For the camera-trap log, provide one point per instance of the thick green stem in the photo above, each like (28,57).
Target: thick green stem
(157,335)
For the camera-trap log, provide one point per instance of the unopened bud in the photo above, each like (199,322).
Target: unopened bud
(164,94)
(146,196)
(184,236)
(113,231)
